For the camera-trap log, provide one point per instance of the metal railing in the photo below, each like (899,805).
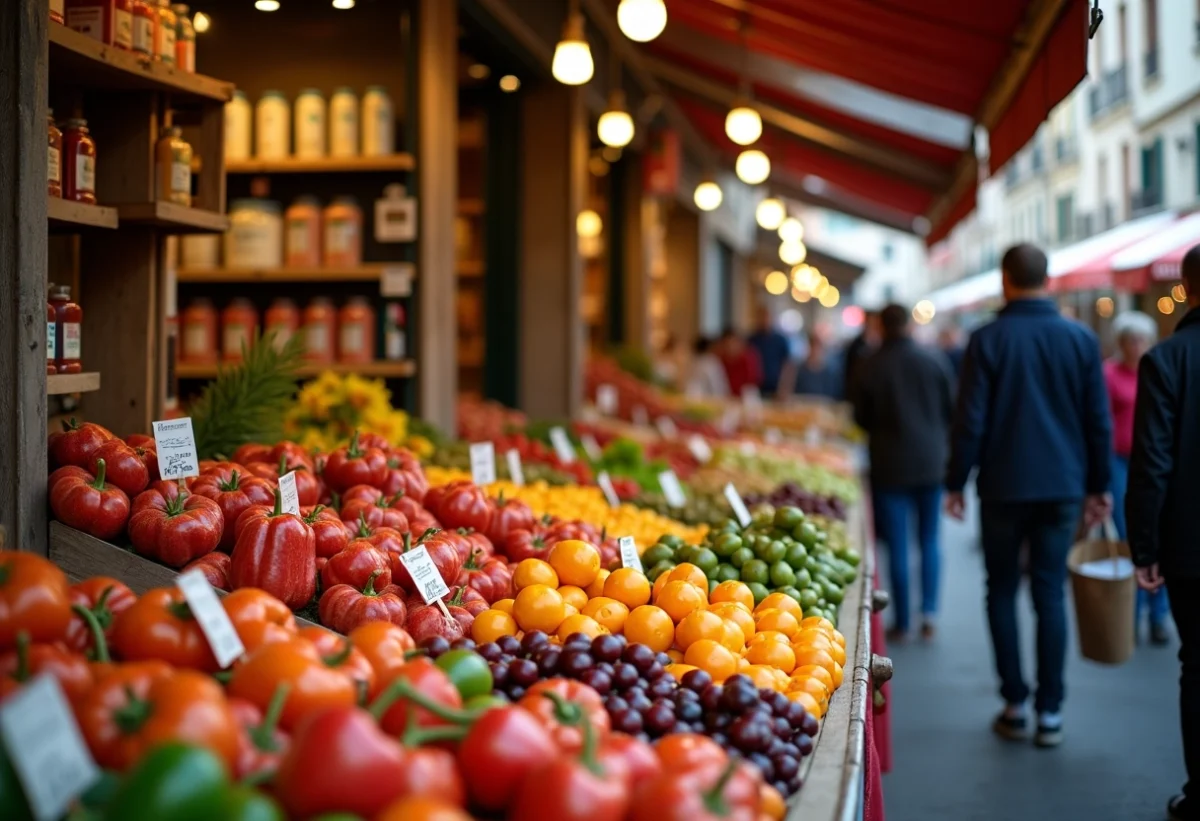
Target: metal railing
(1066,150)
(1152,63)
(1108,91)
(1145,201)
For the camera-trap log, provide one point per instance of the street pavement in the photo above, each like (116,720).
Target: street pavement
(1121,759)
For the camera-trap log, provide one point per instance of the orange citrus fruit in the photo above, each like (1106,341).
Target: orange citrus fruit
(821,658)
(772,636)
(575,561)
(737,614)
(504,604)
(806,698)
(732,591)
(779,620)
(569,609)
(823,624)
(534,571)
(760,675)
(539,607)
(732,635)
(580,624)
(699,624)
(651,626)
(773,654)
(813,687)
(679,669)
(780,601)
(674,655)
(813,671)
(713,658)
(659,584)
(609,612)
(573,595)
(596,588)
(688,573)
(628,586)
(679,598)
(491,625)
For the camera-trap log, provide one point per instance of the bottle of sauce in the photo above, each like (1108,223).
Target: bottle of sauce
(378,123)
(164,33)
(302,234)
(343,233)
(174,161)
(282,319)
(199,339)
(144,19)
(185,39)
(320,324)
(51,338)
(310,124)
(237,127)
(68,318)
(356,332)
(79,163)
(54,155)
(239,326)
(271,126)
(343,123)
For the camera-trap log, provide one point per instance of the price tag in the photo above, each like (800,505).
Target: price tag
(396,280)
(483,463)
(752,402)
(739,506)
(640,417)
(729,420)
(698,445)
(667,427)
(176,446)
(629,554)
(425,574)
(211,616)
(606,485)
(671,488)
(45,746)
(591,447)
(772,436)
(606,399)
(515,472)
(562,445)
(289,496)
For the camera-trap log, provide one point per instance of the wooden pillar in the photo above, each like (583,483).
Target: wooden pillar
(637,257)
(683,272)
(553,173)
(437,174)
(23,250)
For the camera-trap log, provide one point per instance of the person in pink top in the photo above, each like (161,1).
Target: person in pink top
(1136,333)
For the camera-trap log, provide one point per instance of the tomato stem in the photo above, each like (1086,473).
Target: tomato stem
(22,672)
(573,715)
(714,798)
(180,610)
(312,517)
(415,735)
(101,469)
(130,717)
(363,530)
(339,658)
(93,625)
(175,506)
(353,452)
(403,689)
(369,590)
(263,735)
(232,484)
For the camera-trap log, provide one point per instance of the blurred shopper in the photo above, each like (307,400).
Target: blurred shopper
(950,342)
(1136,333)
(905,404)
(742,368)
(772,348)
(859,350)
(1033,418)
(1164,487)
(669,365)
(706,375)
(818,374)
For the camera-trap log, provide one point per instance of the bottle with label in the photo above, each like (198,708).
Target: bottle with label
(199,344)
(343,234)
(255,236)
(378,123)
(174,167)
(302,234)
(356,332)
(145,17)
(271,122)
(320,324)
(239,327)
(310,124)
(185,39)
(109,21)
(283,320)
(54,155)
(343,123)
(51,337)
(68,319)
(237,127)
(164,33)
(394,343)
(79,163)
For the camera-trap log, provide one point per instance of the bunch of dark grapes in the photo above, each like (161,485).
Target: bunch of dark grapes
(646,701)
(792,494)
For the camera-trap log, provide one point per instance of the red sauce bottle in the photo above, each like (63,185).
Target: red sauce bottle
(51,338)
(79,163)
(239,327)
(68,341)
(199,337)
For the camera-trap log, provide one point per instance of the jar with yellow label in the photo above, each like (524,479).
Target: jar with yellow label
(174,156)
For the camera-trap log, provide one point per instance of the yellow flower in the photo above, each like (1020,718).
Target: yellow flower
(312,439)
(364,393)
(420,446)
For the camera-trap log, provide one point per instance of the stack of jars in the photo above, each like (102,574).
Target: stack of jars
(72,161)
(158,29)
(305,236)
(343,128)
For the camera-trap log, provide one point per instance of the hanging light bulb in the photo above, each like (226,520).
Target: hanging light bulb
(615,127)
(642,20)
(792,253)
(266,5)
(201,22)
(743,125)
(791,230)
(588,224)
(752,166)
(572,64)
(830,298)
(708,196)
(770,213)
(776,282)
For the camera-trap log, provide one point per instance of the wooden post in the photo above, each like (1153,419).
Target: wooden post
(437,175)
(23,250)
(683,272)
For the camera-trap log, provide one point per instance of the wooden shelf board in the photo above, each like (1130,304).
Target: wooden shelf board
(364,273)
(327,165)
(81,61)
(470,268)
(472,207)
(60,383)
(381,368)
(173,218)
(66,216)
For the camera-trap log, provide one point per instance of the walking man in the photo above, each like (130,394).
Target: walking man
(905,404)
(1160,507)
(1033,418)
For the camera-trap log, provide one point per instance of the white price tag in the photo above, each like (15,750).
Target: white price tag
(289,496)
(396,280)
(591,447)
(606,485)
(671,488)
(752,403)
(515,471)
(176,446)
(483,463)
(667,427)
(46,748)
(698,445)
(738,505)
(606,399)
(772,436)
(211,616)
(425,574)
(629,554)
(562,445)
(640,417)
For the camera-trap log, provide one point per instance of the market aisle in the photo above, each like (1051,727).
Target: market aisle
(1121,759)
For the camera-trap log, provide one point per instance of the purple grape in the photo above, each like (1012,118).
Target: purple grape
(499,673)
(796,714)
(804,743)
(509,644)
(533,640)
(515,692)
(523,673)
(777,746)
(794,784)
(654,672)
(764,765)
(606,666)
(696,680)
(783,728)
(719,737)
(689,710)
(615,704)
(627,721)
(716,721)
(663,659)
(435,646)
(463,643)
(750,734)
(638,700)
(606,648)
(490,651)
(575,663)
(810,725)
(639,655)
(738,697)
(624,675)
(783,787)
(660,718)
(711,696)
(681,727)
(577,640)
(662,687)
(547,659)
(785,766)
(598,680)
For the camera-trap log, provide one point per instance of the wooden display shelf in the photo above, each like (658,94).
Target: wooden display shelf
(173,218)
(67,216)
(327,165)
(363,273)
(381,368)
(470,268)
(79,60)
(60,383)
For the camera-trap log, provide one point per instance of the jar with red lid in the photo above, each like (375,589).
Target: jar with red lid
(282,319)
(54,156)
(343,233)
(199,338)
(145,18)
(68,335)
(356,332)
(239,327)
(51,338)
(320,325)
(79,162)
(302,234)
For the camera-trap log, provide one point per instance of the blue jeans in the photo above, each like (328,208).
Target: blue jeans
(1049,529)
(1155,602)
(891,521)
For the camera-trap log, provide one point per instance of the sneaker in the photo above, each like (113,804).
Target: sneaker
(1011,727)
(1178,809)
(928,630)
(1049,730)
(1159,636)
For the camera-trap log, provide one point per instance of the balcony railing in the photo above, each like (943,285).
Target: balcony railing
(1108,216)
(1146,201)
(1152,63)
(1038,158)
(1085,225)
(1108,92)
(1066,150)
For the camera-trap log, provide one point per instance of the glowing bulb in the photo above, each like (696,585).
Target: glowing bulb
(1179,293)
(801,295)
(1104,307)
(201,22)
(1166,305)
(820,287)
(743,125)
(642,20)
(615,127)
(792,253)
(588,224)
(266,5)
(476,71)
(776,282)
(572,64)
(804,277)
(830,298)
(923,312)
(752,166)
(509,83)
(770,213)
(790,230)
(343,4)
(708,196)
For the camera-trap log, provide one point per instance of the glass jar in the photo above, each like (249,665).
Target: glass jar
(237,127)
(281,319)
(320,323)
(343,234)
(185,39)
(122,31)
(394,343)
(68,320)
(239,327)
(343,123)
(356,332)
(79,163)
(164,33)
(174,161)
(255,236)
(108,21)
(199,338)
(302,237)
(54,155)
(144,20)
(56,16)
(310,124)
(51,338)
(378,123)
(271,124)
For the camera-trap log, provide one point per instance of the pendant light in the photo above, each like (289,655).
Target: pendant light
(770,213)
(793,253)
(791,230)
(588,224)
(642,20)
(572,63)
(615,127)
(708,195)
(743,125)
(752,166)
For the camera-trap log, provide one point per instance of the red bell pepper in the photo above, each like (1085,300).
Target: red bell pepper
(525,544)
(215,567)
(358,561)
(308,487)
(233,491)
(94,507)
(252,452)
(129,468)
(404,475)
(175,531)
(105,598)
(258,617)
(331,533)
(426,621)
(344,607)
(466,505)
(76,442)
(510,515)
(354,465)
(276,552)
(293,454)
(373,514)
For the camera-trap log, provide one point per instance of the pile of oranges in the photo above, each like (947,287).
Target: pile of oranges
(723,633)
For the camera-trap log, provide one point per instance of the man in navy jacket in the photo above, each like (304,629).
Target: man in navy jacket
(1033,417)
(1160,506)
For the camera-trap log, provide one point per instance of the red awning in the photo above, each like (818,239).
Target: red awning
(1158,257)
(1087,265)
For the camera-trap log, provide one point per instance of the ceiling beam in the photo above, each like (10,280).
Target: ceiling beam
(790,187)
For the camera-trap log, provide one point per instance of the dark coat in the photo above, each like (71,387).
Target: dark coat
(905,404)
(1033,411)
(1163,499)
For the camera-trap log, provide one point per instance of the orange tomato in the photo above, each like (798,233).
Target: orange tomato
(596,588)
(779,620)
(733,591)
(609,612)
(739,615)
(699,624)
(687,572)
(534,571)
(651,626)
(773,654)
(491,625)
(780,601)
(539,607)
(679,598)
(573,595)
(504,604)
(678,670)
(628,586)
(575,561)
(813,671)
(580,624)
(713,658)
